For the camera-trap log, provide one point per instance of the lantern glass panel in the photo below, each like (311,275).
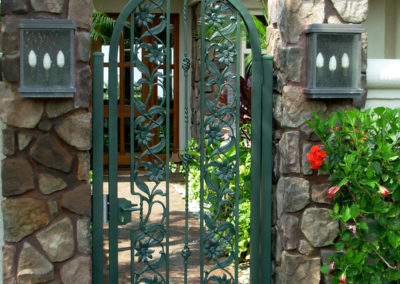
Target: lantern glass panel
(336,61)
(48,58)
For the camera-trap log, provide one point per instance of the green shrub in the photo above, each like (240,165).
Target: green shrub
(363,162)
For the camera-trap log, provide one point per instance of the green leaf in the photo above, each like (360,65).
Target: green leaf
(345,214)
(394,275)
(379,110)
(339,246)
(354,211)
(393,239)
(325,269)
(363,226)
(336,208)
(343,182)
(359,258)
(396,195)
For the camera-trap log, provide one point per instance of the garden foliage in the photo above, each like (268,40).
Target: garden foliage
(244,186)
(363,161)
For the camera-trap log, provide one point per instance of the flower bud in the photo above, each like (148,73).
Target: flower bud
(332,191)
(342,278)
(332,266)
(383,190)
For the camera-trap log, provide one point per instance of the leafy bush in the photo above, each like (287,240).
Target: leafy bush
(363,162)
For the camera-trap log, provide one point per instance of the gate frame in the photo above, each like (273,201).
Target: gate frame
(261,152)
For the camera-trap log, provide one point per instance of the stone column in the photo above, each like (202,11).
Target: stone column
(45,173)
(302,224)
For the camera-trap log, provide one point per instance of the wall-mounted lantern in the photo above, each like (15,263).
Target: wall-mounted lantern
(47,58)
(333,60)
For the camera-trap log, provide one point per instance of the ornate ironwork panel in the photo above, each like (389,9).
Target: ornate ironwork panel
(219,162)
(148,24)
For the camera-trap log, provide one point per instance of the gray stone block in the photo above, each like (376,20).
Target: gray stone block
(49,152)
(319,227)
(57,240)
(293,194)
(50,6)
(299,269)
(296,108)
(22,217)
(33,267)
(17,176)
(49,183)
(80,11)
(289,227)
(77,270)
(83,87)
(352,11)
(289,153)
(307,170)
(8,142)
(76,130)
(83,40)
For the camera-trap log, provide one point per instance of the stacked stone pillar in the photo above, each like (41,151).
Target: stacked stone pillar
(302,225)
(45,172)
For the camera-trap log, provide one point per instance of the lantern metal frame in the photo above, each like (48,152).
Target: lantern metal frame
(316,92)
(49,25)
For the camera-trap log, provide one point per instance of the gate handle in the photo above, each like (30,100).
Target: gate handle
(126,205)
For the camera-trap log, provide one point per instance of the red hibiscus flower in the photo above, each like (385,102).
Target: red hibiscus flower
(315,157)
(332,191)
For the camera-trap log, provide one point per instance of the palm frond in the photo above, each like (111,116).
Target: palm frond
(102,24)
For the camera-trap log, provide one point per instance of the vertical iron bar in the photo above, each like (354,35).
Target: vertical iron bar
(98,148)
(186,69)
(266,190)
(168,78)
(132,250)
(255,164)
(237,190)
(131,130)
(202,142)
(113,158)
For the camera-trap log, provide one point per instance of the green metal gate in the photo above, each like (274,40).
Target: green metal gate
(149,240)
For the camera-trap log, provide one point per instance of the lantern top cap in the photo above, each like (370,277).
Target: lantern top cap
(335,28)
(46,24)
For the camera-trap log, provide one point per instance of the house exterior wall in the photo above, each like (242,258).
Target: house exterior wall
(301,221)
(45,172)
(383,73)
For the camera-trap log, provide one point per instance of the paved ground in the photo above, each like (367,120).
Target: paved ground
(177,236)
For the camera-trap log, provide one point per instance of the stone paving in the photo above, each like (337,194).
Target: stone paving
(177,236)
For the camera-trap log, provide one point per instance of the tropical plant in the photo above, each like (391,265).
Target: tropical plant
(102,26)
(363,161)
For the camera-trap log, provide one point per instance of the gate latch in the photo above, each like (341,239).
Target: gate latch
(125,209)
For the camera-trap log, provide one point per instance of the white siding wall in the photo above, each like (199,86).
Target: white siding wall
(383,73)
(383,77)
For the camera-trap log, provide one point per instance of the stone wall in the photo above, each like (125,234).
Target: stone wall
(302,225)
(45,174)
